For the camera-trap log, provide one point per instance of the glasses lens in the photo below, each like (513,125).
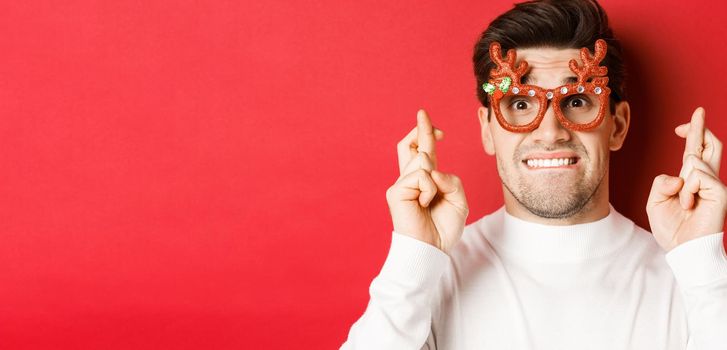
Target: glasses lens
(580,108)
(519,110)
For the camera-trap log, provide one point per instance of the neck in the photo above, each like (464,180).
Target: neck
(525,240)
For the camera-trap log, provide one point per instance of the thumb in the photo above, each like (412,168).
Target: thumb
(664,188)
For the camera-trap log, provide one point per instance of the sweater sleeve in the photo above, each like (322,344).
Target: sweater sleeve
(398,315)
(700,269)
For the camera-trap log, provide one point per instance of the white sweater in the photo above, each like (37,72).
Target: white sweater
(513,284)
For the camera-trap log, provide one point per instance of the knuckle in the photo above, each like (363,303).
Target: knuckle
(404,143)
(424,156)
(401,146)
(696,175)
(393,193)
(390,192)
(456,180)
(693,160)
(660,178)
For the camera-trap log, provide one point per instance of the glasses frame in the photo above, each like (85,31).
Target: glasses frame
(601,91)
(505,81)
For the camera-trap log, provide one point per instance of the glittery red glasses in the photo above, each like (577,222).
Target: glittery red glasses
(579,106)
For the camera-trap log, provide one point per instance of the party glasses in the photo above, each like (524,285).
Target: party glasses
(579,106)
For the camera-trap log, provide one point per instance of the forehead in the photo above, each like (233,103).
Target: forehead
(548,66)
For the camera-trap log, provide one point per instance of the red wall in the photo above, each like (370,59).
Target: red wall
(197,174)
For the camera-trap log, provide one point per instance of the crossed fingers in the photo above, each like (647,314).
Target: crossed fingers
(701,142)
(701,159)
(417,149)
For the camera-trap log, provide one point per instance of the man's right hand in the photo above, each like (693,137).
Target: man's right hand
(426,204)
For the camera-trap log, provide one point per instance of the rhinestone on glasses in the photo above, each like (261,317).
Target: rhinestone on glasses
(515,90)
(563,90)
(580,89)
(597,90)
(549,94)
(531,93)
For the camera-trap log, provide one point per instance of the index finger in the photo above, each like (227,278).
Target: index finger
(425,136)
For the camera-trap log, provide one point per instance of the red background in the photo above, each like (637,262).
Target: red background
(196,174)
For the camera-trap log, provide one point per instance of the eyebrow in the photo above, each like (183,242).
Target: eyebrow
(527,79)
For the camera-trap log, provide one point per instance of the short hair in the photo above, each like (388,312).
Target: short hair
(551,23)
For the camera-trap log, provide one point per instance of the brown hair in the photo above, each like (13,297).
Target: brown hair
(551,23)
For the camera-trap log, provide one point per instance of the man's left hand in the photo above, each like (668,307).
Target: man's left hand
(692,205)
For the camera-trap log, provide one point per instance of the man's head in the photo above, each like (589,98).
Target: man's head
(535,167)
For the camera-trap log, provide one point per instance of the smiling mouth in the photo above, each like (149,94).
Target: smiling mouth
(544,163)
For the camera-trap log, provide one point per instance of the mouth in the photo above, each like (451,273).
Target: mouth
(551,161)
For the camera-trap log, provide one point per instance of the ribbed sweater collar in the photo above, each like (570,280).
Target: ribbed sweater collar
(569,243)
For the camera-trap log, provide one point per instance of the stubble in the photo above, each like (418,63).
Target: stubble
(551,195)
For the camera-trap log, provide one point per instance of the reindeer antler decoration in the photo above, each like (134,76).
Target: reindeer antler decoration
(591,66)
(505,69)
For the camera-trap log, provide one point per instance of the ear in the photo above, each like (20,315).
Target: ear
(485,131)
(621,120)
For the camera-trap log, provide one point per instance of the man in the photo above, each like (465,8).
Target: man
(557,267)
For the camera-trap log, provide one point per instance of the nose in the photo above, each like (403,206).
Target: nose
(550,130)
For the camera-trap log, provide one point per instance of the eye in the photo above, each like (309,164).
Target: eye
(520,104)
(577,101)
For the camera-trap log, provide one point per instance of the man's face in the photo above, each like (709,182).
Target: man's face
(553,172)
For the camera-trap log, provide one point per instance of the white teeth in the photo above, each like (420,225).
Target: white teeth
(549,163)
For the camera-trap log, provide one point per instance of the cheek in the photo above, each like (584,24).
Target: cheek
(598,150)
(505,143)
